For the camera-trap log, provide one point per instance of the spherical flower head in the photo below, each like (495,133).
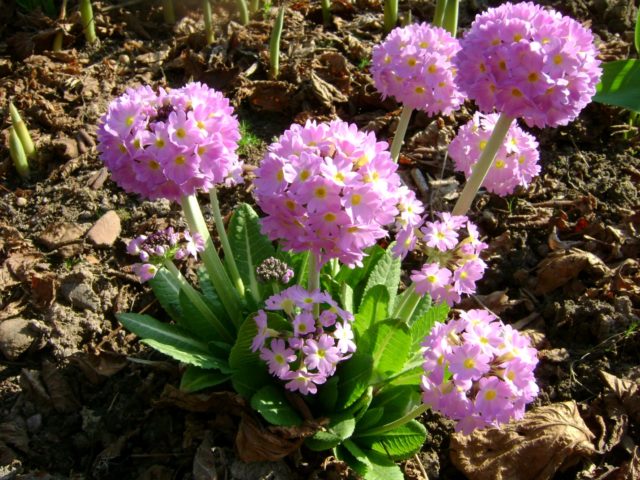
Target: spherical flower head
(327,188)
(452,250)
(528,62)
(516,161)
(413,65)
(478,371)
(170,144)
(318,338)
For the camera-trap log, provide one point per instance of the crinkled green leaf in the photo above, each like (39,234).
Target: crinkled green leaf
(377,466)
(425,322)
(391,345)
(400,443)
(167,292)
(195,379)
(373,308)
(355,375)
(620,84)
(339,429)
(385,272)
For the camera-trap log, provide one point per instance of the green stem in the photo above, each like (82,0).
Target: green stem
(438,16)
(208,23)
(419,410)
(59,38)
(16,151)
(483,165)
(314,279)
(274,44)
(229,259)
(88,23)
(326,12)
(198,302)
(244,11)
(168,12)
(409,303)
(254,5)
(217,273)
(21,130)
(390,15)
(401,130)
(450,22)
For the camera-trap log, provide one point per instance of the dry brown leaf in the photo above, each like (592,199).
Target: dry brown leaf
(325,92)
(548,439)
(205,461)
(97,367)
(270,96)
(43,289)
(627,391)
(563,266)
(14,433)
(62,397)
(228,402)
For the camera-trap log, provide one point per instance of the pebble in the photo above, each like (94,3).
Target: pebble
(21,201)
(106,230)
(15,337)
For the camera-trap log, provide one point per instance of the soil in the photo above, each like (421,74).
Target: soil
(80,398)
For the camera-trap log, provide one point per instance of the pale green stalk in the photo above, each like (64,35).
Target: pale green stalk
(208,22)
(168,12)
(244,11)
(401,130)
(21,130)
(229,259)
(450,21)
(314,279)
(438,16)
(419,410)
(254,6)
(410,301)
(198,302)
(88,22)
(483,165)
(274,44)
(390,15)
(326,12)
(214,266)
(59,38)
(16,150)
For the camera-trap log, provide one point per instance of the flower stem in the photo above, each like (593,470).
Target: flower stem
(59,37)
(243,9)
(88,21)
(483,165)
(314,279)
(419,410)
(390,15)
(229,259)
(408,305)
(326,12)
(438,16)
(401,130)
(450,21)
(198,302)
(274,45)
(217,273)
(208,23)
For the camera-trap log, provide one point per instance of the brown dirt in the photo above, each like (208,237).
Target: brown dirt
(81,399)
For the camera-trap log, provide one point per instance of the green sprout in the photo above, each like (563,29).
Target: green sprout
(326,12)
(208,23)
(16,150)
(244,11)
(248,139)
(59,37)
(254,6)
(274,44)
(88,21)
(168,12)
(364,63)
(390,15)
(22,131)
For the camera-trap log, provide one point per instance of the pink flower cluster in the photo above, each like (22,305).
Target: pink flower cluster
(163,245)
(328,188)
(169,144)
(528,62)
(413,65)
(452,248)
(478,371)
(516,162)
(307,354)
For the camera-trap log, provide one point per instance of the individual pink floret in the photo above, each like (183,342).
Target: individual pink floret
(478,371)
(413,65)
(516,162)
(328,188)
(528,62)
(169,144)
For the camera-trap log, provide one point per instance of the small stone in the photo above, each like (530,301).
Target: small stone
(106,230)
(21,201)
(83,297)
(15,337)
(65,236)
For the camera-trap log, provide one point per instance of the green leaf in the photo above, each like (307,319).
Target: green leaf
(195,379)
(167,292)
(377,466)
(272,404)
(370,419)
(355,375)
(386,272)
(250,246)
(620,84)
(425,322)
(636,37)
(328,394)
(193,321)
(374,308)
(346,297)
(198,359)
(211,296)
(396,401)
(356,277)
(391,345)
(339,429)
(399,443)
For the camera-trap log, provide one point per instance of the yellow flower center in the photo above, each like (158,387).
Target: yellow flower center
(159,143)
(356,199)
(420,90)
(280,175)
(500,164)
(516,92)
(424,44)
(330,217)
(490,395)
(412,62)
(469,363)
(181,133)
(122,148)
(517,37)
(432,68)
(153,165)
(533,77)
(320,192)
(482,144)
(180,160)
(557,59)
(304,174)
(200,125)
(129,121)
